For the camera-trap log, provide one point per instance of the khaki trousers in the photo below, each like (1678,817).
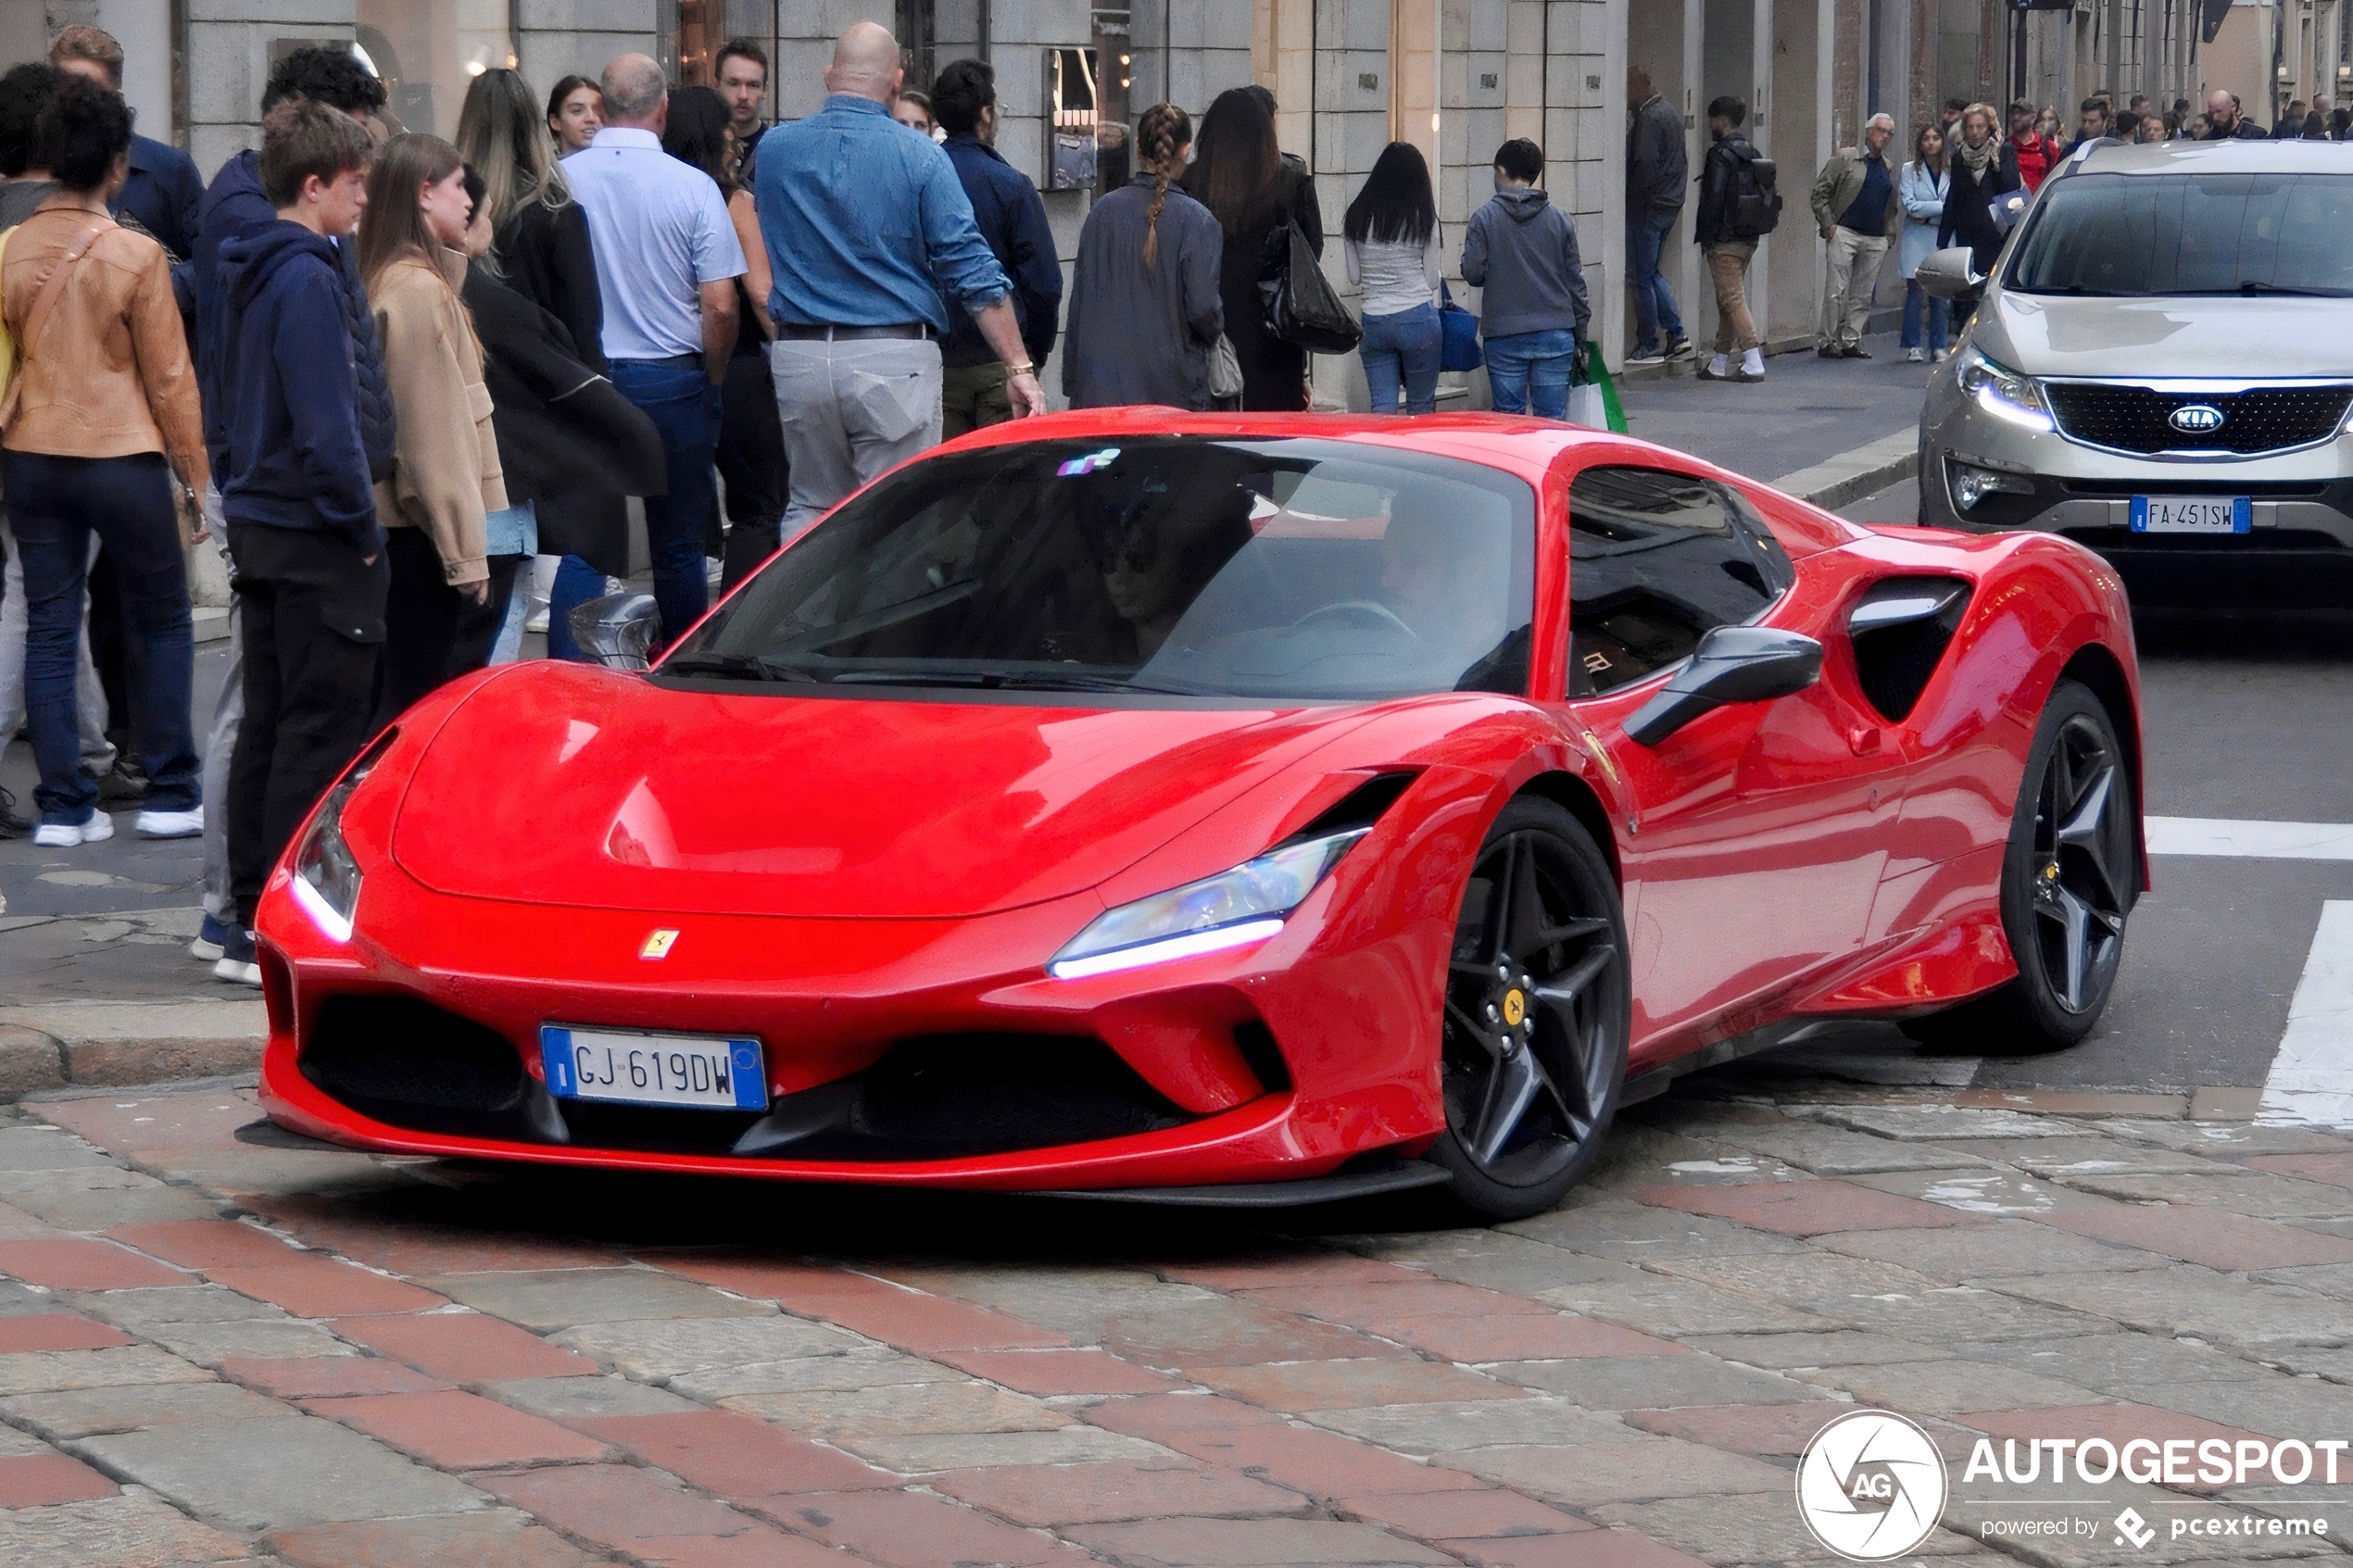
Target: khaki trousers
(1727,270)
(972,397)
(1849,280)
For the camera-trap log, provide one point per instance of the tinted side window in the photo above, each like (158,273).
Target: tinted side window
(1656,560)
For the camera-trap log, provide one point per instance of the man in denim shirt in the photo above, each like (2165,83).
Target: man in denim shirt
(866,224)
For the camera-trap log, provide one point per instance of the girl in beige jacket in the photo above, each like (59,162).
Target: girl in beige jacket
(447,598)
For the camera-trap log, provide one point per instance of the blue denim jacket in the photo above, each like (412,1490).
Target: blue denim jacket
(861,216)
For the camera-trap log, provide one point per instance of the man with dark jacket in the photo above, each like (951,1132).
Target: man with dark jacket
(298,497)
(1727,250)
(1522,252)
(163,189)
(1855,206)
(1012,219)
(236,207)
(2225,121)
(1657,169)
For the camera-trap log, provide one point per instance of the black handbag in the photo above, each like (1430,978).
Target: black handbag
(1301,308)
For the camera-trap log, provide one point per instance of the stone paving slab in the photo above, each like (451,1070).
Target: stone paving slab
(258,1353)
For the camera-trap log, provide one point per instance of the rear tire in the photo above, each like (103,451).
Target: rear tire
(1539,1004)
(2069,883)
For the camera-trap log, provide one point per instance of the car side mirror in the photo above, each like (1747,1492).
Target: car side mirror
(1948,274)
(616,631)
(1732,664)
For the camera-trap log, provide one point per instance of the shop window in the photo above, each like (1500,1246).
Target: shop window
(427,51)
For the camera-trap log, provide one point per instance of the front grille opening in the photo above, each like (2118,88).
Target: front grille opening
(407,1063)
(1265,1058)
(2139,418)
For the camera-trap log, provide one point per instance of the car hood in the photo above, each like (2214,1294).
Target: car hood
(2223,337)
(564,785)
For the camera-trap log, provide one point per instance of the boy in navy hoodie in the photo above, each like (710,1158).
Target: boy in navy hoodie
(297,495)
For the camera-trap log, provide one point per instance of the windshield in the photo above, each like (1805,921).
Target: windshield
(2167,234)
(1278,568)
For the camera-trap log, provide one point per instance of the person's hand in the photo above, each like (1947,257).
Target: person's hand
(1026,397)
(476,593)
(1828,230)
(1582,350)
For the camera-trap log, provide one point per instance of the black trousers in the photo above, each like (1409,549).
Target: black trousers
(751,461)
(313,625)
(433,633)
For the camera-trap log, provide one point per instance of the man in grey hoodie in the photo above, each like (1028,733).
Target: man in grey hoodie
(1522,251)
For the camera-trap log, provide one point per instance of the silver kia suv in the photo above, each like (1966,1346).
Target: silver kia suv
(2162,369)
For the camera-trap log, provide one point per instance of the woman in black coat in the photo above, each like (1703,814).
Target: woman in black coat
(1240,175)
(1983,169)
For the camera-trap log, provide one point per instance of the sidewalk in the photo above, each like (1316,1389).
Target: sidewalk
(227,1346)
(1808,412)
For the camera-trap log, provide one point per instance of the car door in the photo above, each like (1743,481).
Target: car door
(1756,841)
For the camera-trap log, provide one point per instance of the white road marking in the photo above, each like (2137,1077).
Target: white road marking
(2253,841)
(2310,1082)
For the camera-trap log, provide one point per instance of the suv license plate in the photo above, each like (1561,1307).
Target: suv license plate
(2192,514)
(702,1072)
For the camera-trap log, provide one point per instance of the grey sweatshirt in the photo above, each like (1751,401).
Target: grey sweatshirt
(1522,251)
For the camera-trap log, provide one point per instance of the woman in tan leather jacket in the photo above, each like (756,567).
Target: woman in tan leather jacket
(104,389)
(446,599)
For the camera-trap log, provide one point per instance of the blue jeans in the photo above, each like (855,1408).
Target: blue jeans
(1527,372)
(1646,234)
(684,404)
(576,582)
(1407,346)
(1917,302)
(55,503)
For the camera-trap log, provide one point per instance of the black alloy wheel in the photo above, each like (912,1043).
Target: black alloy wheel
(1538,1007)
(2069,883)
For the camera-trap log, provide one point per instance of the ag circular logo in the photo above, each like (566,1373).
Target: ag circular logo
(1870,1485)
(2195,418)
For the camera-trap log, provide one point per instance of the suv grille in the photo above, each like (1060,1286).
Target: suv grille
(2139,418)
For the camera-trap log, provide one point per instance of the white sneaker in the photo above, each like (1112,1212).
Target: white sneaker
(1915,357)
(537,621)
(56,835)
(171,824)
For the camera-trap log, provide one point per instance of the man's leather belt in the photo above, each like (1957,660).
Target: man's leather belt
(852,335)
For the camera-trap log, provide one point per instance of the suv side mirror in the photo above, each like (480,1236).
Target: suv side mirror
(1732,664)
(1948,274)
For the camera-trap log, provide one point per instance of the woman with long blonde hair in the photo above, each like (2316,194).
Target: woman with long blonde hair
(1144,305)
(446,601)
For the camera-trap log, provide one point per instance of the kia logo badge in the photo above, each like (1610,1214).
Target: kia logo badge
(2195,418)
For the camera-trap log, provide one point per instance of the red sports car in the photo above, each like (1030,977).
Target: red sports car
(1238,808)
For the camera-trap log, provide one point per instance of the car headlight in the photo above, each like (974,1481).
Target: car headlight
(326,875)
(1244,905)
(2003,393)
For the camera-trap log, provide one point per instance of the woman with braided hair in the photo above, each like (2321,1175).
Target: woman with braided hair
(1144,305)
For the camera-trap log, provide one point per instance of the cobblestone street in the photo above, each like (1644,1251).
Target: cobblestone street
(230,1347)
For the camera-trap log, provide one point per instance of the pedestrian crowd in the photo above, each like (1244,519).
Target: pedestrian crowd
(402,388)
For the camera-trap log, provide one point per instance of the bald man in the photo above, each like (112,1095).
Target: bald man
(866,225)
(2225,122)
(667,261)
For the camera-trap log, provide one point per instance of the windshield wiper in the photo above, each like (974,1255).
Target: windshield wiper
(742,665)
(2256,286)
(1075,682)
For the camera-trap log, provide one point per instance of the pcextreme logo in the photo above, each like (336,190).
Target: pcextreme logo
(1870,1485)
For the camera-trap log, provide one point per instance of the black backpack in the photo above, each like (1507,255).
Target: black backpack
(1752,207)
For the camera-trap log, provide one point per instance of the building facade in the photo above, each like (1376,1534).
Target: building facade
(1455,77)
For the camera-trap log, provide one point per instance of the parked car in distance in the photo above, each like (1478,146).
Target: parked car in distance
(2161,368)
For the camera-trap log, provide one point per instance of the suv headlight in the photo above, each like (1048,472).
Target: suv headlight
(326,875)
(1244,905)
(2004,392)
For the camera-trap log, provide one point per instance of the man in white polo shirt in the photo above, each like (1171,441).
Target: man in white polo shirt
(667,259)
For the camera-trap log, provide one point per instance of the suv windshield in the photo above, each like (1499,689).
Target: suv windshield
(2165,234)
(1280,569)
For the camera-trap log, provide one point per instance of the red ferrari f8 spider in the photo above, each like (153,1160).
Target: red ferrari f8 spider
(1224,808)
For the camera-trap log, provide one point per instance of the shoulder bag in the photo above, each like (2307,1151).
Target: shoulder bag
(1458,334)
(1301,307)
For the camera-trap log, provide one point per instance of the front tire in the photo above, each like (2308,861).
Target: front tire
(2069,881)
(1539,1003)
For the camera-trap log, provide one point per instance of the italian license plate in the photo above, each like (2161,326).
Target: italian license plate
(703,1071)
(2192,514)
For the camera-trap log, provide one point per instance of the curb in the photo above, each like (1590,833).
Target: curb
(1850,476)
(100,1044)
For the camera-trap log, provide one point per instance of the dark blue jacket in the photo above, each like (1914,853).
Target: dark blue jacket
(289,374)
(1012,219)
(234,209)
(163,194)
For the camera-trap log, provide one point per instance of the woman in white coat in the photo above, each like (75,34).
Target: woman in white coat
(1922,188)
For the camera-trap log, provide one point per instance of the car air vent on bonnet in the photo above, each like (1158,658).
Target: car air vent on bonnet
(1900,629)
